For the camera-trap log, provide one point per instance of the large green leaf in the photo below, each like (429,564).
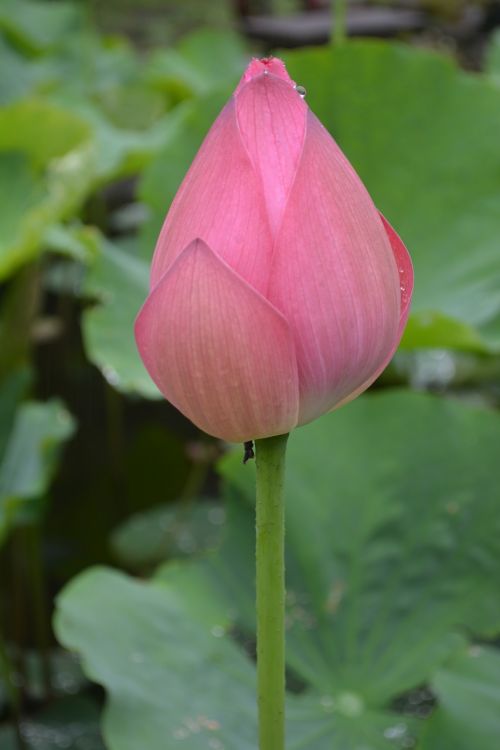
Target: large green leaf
(119,281)
(423,135)
(108,85)
(90,65)
(94,116)
(46,168)
(393,551)
(469,695)
(20,76)
(41,130)
(22,212)
(180,529)
(410,558)
(201,62)
(168,642)
(39,25)
(102,80)
(30,459)
(83,64)
(119,151)
(159,640)
(115,279)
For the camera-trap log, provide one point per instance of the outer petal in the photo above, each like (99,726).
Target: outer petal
(334,277)
(272,121)
(218,350)
(220,201)
(405,268)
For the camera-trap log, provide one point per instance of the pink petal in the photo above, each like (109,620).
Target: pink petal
(272,119)
(220,201)
(405,268)
(334,277)
(269,65)
(218,350)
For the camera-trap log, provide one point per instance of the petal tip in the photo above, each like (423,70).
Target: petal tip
(196,334)
(265,66)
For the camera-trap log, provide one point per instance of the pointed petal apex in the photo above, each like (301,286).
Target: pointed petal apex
(220,200)
(218,350)
(271,119)
(265,66)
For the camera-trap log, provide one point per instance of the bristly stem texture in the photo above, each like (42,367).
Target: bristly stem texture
(270,581)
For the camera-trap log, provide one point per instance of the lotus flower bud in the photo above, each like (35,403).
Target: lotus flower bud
(278,292)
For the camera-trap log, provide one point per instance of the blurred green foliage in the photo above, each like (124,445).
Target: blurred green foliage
(393,516)
(378,604)
(29,460)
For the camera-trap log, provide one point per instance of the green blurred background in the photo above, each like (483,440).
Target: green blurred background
(393,502)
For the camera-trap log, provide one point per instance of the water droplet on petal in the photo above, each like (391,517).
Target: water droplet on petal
(301,91)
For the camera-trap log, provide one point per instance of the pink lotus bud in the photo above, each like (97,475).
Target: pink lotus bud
(278,292)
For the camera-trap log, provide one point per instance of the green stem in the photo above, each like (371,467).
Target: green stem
(270,581)
(339,21)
